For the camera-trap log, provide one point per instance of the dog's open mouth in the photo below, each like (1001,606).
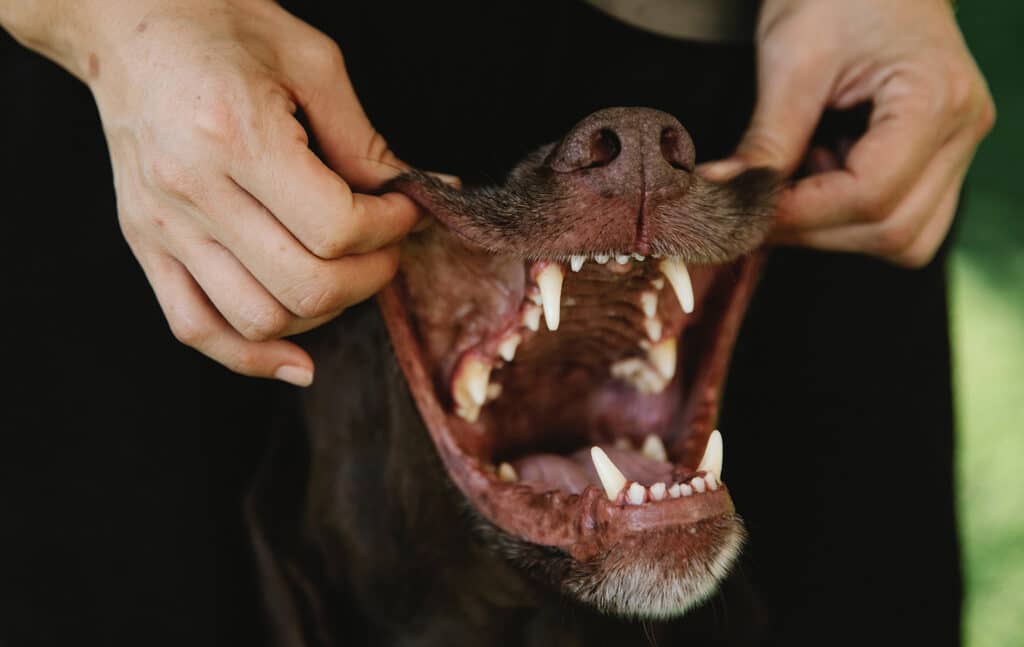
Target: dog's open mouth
(566,338)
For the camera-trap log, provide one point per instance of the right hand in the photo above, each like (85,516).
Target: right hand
(244,234)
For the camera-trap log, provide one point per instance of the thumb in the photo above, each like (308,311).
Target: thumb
(349,143)
(790,100)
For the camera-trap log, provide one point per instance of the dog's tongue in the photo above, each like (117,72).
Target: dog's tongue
(574,472)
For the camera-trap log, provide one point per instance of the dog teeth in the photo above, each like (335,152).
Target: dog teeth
(549,280)
(639,372)
(698,484)
(469,389)
(601,259)
(507,473)
(675,271)
(711,462)
(649,304)
(531,316)
(711,480)
(509,344)
(653,329)
(639,257)
(658,282)
(674,491)
(657,491)
(663,356)
(622,259)
(653,448)
(576,263)
(636,494)
(685,489)
(612,479)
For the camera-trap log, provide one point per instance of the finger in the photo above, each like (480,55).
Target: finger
(922,250)
(893,237)
(881,166)
(238,296)
(350,144)
(792,94)
(316,206)
(309,287)
(195,322)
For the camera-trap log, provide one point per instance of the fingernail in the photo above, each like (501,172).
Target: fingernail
(294,375)
(723,170)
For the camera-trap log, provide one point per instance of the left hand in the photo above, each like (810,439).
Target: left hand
(895,194)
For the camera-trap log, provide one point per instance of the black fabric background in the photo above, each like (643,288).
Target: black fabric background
(124,456)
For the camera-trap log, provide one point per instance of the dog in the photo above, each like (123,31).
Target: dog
(530,410)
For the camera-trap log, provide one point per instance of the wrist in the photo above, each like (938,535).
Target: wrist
(71,33)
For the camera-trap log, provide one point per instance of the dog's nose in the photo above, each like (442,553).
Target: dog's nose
(626,149)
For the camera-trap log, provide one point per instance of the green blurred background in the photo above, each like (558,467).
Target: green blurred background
(987,288)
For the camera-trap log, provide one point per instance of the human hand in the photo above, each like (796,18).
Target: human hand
(244,234)
(895,193)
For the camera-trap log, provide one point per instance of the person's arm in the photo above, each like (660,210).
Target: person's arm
(895,193)
(244,233)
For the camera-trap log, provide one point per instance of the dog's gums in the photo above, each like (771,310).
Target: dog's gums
(587,442)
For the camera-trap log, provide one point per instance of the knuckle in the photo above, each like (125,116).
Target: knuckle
(960,95)
(322,55)
(315,300)
(987,116)
(264,322)
(893,239)
(170,175)
(187,331)
(914,259)
(874,207)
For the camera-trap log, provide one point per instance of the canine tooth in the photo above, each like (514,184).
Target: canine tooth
(531,317)
(654,448)
(507,473)
(649,303)
(601,259)
(675,271)
(635,494)
(622,259)
(674,491)
(712,460)
(509,344)
(710,479)
(653,329)
(698,484)
(663,356)
(658,282)
(549,280)
(657,491)
(576,262)
(638,257)
(685,489)
(612,479)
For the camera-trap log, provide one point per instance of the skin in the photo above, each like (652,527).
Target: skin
(247,237)
(895,193)
(244,234)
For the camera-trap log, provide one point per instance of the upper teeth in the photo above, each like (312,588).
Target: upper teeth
(675,270)
(654,448)
(549,280)
(712,460)
(576,262)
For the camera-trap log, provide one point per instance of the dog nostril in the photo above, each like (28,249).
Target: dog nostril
(604,148)
(675,150)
